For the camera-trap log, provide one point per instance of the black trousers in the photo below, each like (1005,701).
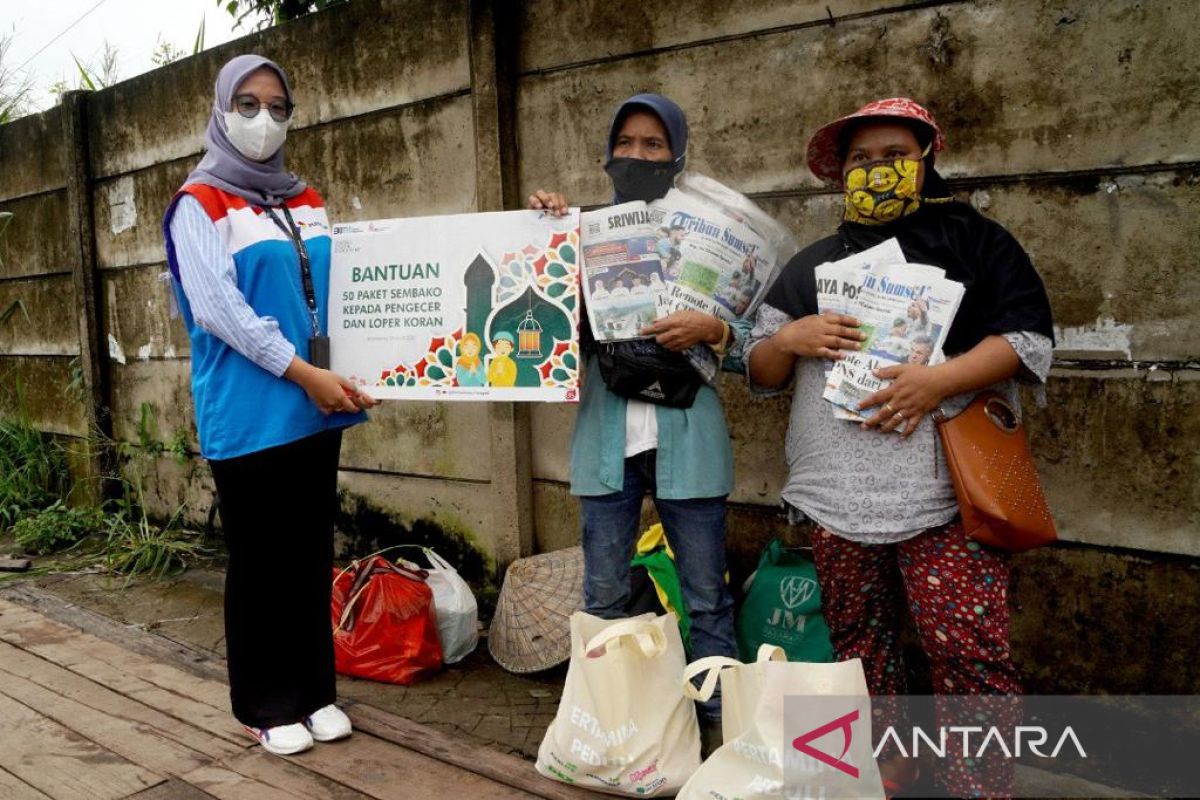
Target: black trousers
(277,508)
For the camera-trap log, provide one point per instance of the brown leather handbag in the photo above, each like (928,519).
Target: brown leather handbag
(999,494)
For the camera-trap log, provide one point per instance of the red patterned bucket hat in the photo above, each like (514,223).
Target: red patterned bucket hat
(823,146)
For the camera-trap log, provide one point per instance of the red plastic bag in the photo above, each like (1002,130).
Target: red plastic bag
(384,623)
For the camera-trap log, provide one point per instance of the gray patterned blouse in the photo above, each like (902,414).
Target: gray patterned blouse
(865,485)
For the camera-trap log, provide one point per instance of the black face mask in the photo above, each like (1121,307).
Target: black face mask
(639,179)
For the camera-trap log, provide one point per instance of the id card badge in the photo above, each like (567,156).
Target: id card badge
(318,351)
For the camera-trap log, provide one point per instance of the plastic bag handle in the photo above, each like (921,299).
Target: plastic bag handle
(437,561)
(650,637)
(713,666)
(770,652)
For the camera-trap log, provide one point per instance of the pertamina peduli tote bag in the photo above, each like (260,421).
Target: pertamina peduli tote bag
(761,755)
(624,725)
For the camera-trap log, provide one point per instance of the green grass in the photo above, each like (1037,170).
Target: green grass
(56,527)
(35,511)
(33,471)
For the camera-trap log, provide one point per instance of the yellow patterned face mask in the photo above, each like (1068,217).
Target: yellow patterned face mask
(882,191)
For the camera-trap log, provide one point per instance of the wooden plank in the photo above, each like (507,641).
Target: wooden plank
(60,762)
(225,784)
(199,701)
(174,789)
(506,769)
(133,638)
(13,788)
(384,771)
(126,727)
(290,775)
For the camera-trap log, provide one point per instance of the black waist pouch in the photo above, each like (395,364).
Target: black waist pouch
(645,370)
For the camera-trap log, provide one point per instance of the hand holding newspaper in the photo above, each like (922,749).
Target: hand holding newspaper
(904,309)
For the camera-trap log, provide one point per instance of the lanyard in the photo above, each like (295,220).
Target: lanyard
(310,296)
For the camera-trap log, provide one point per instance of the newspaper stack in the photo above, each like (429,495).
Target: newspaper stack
(702,246)
(904,309)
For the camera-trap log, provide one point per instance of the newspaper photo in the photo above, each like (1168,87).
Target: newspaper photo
(905,310)
(622,269)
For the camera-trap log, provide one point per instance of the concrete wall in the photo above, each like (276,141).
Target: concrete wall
(1075,124)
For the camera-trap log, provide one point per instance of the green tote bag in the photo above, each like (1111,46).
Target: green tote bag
(783,608)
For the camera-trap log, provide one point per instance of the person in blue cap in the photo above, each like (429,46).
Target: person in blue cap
(502,370)
(622,448)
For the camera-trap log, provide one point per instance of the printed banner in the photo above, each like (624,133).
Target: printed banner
(460,307)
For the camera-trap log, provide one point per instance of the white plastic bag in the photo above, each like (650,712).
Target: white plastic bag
(457,611)
(623,725)
(750,763)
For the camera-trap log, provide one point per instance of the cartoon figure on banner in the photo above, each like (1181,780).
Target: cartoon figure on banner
(502,370)
(468,369)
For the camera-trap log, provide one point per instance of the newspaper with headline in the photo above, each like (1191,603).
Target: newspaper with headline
(702,246)
(904,309)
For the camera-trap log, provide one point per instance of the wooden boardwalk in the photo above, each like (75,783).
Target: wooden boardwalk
(95,715)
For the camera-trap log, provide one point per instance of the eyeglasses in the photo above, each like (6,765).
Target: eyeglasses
(248,106)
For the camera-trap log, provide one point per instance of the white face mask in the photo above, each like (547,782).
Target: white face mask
(257,137)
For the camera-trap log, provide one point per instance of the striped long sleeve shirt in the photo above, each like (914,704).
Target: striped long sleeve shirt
(209,279)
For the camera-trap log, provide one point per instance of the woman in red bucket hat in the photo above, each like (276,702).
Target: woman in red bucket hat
(878,493)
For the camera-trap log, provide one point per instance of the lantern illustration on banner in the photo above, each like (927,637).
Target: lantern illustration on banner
(529,337)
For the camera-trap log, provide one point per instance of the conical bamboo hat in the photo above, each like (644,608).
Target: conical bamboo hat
(531,630)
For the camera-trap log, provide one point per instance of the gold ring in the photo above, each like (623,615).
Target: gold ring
(898,415)
(889,406)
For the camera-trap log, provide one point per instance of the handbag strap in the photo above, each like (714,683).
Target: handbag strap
(712,665)
(649,636)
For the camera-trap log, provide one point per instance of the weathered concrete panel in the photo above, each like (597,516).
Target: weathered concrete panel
(461,510)
(137,314)
(557,32)
(414,161)
(1093,622)
(165,386)
(1110,249)
(552,424)
(171,486)
(1019,87)
(32,154)
(432,146)
(373,55)
(1120,458)
(556,522)
(46,326)
(1113,253)
(41,388)
(129,210)
(421,438)
(35,241)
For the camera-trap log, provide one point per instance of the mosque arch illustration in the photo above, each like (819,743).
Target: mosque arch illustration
(536,322)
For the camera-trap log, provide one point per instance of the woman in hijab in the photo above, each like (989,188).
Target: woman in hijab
(248,248)
(623,448)
(886,533)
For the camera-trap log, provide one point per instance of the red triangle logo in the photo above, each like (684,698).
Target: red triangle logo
(801,743)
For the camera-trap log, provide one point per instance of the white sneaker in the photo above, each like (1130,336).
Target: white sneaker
(282,740)
(328,724)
